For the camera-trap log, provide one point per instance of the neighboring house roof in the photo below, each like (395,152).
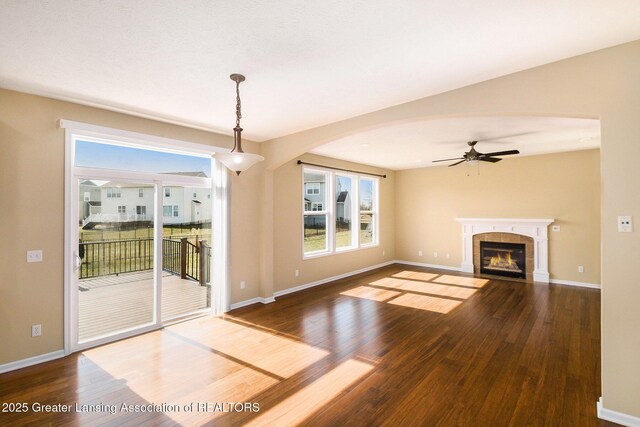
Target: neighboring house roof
(342,196)
(95,203)
(307,200)
(199,174)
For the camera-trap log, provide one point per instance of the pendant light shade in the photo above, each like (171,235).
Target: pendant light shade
(237,160)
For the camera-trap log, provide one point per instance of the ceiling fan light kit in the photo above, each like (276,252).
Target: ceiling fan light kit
(237,160)
(473,157)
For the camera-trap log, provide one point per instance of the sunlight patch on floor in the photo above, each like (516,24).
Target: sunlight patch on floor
(424,287)
(462,281)
(276,354)
(369,293)
(304,403)
(415,275)
(424,302)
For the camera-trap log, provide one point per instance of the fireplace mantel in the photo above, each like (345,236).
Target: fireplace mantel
(534,228)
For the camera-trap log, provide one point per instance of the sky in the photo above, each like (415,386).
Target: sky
(104,156)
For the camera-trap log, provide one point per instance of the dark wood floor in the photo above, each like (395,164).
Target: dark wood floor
(398,346)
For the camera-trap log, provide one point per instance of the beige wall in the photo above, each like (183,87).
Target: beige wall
(288,228)
(602,84)
(563,186)
(32,188)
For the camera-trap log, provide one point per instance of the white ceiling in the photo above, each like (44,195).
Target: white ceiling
(307,63)
(417,144)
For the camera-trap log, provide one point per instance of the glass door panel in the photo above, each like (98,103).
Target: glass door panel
(186,250)
(115,258)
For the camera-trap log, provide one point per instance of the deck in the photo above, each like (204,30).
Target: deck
(113,303)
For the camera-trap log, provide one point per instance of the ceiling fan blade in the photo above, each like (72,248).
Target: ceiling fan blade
(447,160)
(501,153)
(457,163)
(489,159)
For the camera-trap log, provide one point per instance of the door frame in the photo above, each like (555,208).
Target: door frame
(220,217)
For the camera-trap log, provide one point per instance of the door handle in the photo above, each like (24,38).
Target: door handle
(77,262)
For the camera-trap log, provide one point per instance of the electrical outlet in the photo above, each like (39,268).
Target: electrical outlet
(34,256)
(419,253)
(435,254)
(242,284)
(36,330)
(625,224)
(297,273)
(581,269)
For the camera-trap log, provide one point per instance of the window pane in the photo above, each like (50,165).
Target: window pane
(315,185)
(344,235)
(366,194)
(315,233)
(367,227)
(107,156)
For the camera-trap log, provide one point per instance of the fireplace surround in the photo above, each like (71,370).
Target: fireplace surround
(511,230)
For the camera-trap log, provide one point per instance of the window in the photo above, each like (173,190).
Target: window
(344,209)
(87,196)
(170,210)
(141,210)
(315,217)
(368,211)
(113,192)
(167,191)
(313,188)
(349,221)
(195,195)
(140,192)
(122,209)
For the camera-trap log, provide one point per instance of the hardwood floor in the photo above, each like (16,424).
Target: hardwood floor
(397,346)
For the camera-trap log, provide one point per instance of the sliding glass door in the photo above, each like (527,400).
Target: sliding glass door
(114,261)
(140,240)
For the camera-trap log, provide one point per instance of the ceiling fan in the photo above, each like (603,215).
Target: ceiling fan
(472,156)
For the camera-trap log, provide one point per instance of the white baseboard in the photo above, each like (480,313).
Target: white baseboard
(331,279)
(422,264)
(616,417)
(30,361)
(251,301)
(572,283)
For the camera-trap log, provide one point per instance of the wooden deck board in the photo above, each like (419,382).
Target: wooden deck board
(114,303)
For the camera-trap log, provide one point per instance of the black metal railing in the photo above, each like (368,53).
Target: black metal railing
(103,258)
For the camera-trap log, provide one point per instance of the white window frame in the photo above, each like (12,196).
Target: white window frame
(314,187)
(140,192)
(330,212)
(167,191)
(122,209)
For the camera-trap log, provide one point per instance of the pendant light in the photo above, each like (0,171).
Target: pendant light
(237,160)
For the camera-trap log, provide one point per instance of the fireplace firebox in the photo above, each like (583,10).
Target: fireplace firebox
(503,259)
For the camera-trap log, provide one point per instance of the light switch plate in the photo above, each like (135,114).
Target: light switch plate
(625,224)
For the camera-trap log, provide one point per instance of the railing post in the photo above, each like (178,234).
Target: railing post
(183,258)
(203,262)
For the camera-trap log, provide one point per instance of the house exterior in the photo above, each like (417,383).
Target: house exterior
(126,202)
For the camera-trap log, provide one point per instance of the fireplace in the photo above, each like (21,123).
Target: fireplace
(503,259)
